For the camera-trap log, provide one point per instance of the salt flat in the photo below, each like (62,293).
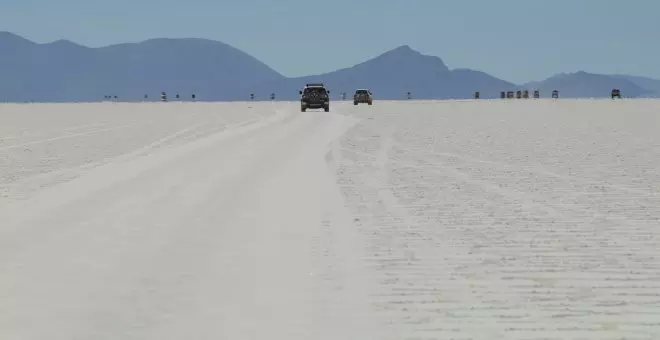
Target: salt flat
(403,220)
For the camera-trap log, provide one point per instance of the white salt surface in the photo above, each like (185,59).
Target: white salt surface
(402,220)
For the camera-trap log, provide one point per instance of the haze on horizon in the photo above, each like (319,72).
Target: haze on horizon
(511,39)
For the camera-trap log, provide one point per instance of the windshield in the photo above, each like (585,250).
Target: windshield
(310,90)
(361,92)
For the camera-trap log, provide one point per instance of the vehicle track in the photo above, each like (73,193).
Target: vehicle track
(238,234)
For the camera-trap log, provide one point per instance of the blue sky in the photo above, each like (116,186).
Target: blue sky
(517,40)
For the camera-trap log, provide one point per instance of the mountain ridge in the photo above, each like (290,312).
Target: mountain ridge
(63,70)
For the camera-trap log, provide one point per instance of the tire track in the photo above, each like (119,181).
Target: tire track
(211,239)
(34,183)
(536,169)
(64,129)
(72,135)
(21,180)
(460,254)
(114,172)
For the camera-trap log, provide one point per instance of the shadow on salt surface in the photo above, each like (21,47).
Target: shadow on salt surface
(501,221)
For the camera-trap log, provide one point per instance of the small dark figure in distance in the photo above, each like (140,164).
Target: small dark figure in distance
(555,94)
(616,93)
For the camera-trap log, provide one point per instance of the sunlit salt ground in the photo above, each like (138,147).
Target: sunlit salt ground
(479,220)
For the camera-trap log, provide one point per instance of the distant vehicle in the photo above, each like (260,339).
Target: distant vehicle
(509,94)
(616,93)
(314,96)
(362,96)
(555,94)
(537,94)
(526,94)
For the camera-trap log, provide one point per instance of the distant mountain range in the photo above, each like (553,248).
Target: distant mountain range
(65,71)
